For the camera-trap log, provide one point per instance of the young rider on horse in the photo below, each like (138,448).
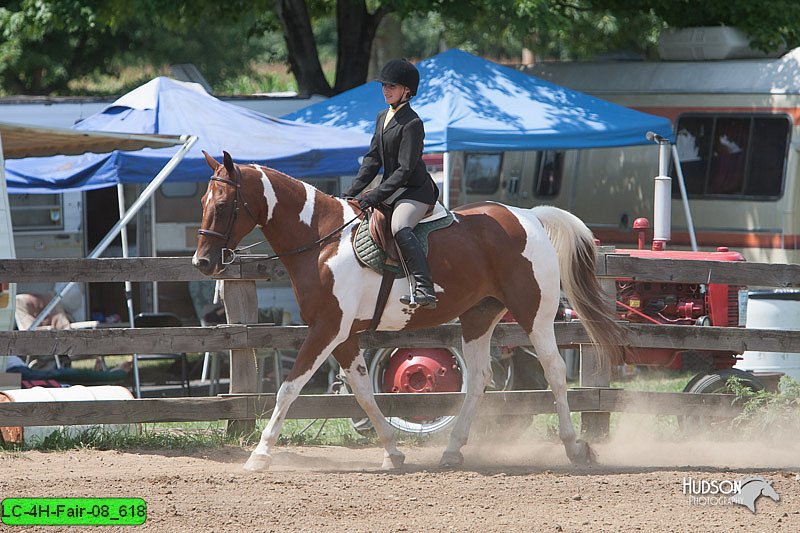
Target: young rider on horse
(406,185)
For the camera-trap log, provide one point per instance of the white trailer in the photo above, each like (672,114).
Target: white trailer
(736,125)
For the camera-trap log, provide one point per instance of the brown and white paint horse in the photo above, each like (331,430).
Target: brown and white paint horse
(493,258)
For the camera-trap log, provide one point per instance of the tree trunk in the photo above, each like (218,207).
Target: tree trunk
(355,27)
(302,47)
(387,44)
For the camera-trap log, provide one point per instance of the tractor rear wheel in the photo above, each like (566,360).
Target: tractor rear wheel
(425,370)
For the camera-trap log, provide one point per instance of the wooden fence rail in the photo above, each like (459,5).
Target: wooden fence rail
(616,265)
(256,406)
(241,338)
(244,337)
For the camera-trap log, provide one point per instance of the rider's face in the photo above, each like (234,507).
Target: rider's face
(393,93)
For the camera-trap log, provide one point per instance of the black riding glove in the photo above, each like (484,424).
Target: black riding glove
(368,199)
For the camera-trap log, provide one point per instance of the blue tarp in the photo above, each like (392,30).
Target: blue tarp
(468,103)
(167,106)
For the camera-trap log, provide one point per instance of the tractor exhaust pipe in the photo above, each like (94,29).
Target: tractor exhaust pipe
(662,208)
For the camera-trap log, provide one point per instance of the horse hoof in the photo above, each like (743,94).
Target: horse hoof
(583,454)
(451,460)
(258,462)
(394,461)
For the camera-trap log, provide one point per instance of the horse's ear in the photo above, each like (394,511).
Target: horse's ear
(213,163)
(227,160)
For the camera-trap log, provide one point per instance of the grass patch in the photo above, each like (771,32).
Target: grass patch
(152,436)
(321,432)
(768,414)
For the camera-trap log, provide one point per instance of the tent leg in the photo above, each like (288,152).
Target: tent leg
(684,197)
(128,285)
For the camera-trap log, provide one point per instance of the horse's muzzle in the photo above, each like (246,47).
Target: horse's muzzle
(203,264)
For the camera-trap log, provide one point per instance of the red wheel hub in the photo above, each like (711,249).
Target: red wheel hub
(422,370)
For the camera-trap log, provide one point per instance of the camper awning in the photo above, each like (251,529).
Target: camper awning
(20,141)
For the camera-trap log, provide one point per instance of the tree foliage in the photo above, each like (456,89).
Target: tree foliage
(44,44)
(769,23)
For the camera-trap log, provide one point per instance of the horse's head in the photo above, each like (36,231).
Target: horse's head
(768,490)
(230,211)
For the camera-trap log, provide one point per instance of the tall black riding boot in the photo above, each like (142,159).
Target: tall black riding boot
(417,263)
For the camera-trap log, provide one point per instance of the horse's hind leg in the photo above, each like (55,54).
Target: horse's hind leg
(312,353)
(477,326)
(355,368)
(543,338)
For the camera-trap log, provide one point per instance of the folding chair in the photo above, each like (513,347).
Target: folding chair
(159,320)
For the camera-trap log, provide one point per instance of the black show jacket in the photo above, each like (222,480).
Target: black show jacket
(398,149)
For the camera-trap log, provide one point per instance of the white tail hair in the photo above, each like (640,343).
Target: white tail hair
(576,250)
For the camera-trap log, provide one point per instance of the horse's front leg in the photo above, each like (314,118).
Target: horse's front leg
(315,349)
(352,362)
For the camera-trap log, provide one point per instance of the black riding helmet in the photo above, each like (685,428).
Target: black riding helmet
(400,72)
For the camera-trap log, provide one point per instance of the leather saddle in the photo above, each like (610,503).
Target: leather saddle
(374,244)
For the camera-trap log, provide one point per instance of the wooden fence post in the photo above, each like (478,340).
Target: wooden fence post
(241,307)
(593,373)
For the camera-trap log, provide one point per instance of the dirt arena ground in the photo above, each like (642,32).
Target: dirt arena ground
(502,487)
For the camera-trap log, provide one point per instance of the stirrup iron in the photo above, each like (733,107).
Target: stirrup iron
(410,299)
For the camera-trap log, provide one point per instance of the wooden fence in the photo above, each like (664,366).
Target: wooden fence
(242,336)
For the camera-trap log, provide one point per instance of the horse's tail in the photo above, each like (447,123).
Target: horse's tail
(577,252)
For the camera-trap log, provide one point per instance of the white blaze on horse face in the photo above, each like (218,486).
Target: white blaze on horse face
(308,208)
(269,193)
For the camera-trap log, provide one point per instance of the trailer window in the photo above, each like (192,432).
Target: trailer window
(549,173)
(482,173)
(35,212)
(732,156)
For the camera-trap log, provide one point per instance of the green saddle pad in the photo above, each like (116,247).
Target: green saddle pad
(370,255)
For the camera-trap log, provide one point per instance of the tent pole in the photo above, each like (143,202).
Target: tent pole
(112,233)
(446,184)
(128,285)
(154,248)
(684,197)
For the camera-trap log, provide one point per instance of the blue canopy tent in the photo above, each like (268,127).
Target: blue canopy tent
(471,104)
(468,103)
(165,106)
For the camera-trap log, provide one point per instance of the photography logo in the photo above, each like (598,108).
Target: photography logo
(728,492)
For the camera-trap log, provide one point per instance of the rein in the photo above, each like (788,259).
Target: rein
(266,257)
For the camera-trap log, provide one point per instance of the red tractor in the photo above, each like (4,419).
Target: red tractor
(693,304)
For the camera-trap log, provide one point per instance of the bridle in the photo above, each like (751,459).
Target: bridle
(235,214)
(231,254)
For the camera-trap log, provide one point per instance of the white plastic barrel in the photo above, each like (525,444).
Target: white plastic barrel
(773,309)
(67,394)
